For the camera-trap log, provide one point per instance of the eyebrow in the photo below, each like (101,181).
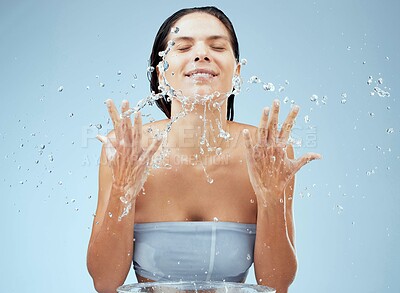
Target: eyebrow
(213,37)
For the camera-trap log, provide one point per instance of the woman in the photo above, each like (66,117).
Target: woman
(182,226)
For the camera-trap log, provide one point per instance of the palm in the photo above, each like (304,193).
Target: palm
(269,167)
(125,154)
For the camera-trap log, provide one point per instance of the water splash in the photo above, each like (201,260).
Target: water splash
(382,93)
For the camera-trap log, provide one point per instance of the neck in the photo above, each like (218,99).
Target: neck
(199,128)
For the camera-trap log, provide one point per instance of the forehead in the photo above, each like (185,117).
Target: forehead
(199,24)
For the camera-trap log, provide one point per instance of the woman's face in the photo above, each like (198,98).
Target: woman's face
(202,60)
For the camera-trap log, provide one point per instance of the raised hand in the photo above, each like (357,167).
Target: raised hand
(125,154)
(269,167)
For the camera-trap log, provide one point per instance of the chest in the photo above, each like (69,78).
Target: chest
(185,192)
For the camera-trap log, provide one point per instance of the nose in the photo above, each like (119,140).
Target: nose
(205,58)
(201,53)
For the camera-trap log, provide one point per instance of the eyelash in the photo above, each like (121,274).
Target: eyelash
(185,48)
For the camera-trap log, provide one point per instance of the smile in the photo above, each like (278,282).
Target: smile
(201,74)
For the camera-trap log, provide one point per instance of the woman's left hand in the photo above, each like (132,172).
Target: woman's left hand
(270,170)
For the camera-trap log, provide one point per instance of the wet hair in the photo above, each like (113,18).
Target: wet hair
(160,44)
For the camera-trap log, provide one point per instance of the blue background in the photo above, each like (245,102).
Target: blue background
(346,206)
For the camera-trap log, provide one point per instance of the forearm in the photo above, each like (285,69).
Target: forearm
(111,247)
(274,255)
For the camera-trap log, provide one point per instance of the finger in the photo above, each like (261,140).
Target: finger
(112,110)
(262,129)
(151,150)
(107,141)
(108,147)
(124,108)
(288,124)
(103,139)
(299,163)
(126,125)
(137,134)
(273,123)
(251,163)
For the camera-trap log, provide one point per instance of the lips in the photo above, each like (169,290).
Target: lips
(201,73)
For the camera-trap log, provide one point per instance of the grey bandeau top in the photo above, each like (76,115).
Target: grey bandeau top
(194,251)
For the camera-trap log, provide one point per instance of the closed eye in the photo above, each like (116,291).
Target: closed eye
(217,48)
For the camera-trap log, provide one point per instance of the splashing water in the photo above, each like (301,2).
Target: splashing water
(382,93)
(209,145)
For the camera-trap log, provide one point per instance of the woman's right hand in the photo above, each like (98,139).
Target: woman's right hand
(125,154)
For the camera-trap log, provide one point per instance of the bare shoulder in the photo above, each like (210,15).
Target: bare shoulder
(236,130)
(150,129)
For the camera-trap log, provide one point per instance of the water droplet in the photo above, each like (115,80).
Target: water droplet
(348,48)
(150,69)
(60,183)
(110,214)
(381,92)
(369,81)
(268,87)
(51,158)
(243,61)
(215,219)
(281,200)
(314,98)
(254,79)
(102,84)
(71,115)
(371,114)
(390,130)
(339,209)
(60,89)
(251,200)
(175,30)
(88,87)
(42,146)
(306,119)
(285,100)
(387,58)
(166,65)
(21,145)
(248,256)
(210,180)
(119,72)
(380,80)
(364,62)
(344,98)
(388,107)
(218,151)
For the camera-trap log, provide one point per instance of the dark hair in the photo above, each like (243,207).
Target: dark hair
(160,44)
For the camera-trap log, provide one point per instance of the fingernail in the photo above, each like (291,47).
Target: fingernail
(276,103)
(266,111)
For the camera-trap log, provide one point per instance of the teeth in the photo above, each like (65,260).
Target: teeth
(205,75)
